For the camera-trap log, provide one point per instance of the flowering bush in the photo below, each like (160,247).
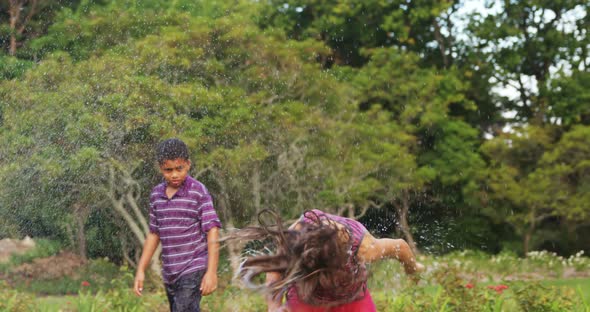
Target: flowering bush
(498,288)
(536,297)
(11,300)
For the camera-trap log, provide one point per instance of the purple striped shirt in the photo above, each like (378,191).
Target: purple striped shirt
(182,223)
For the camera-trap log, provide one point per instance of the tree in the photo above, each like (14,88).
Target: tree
(27,19)
(443,148)
(537,50)
(514,185)
(569,98)
(525,41)
(348,27)
(234,94)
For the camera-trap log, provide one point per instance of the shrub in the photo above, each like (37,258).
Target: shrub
(11,300)
(43,248)
(536,297)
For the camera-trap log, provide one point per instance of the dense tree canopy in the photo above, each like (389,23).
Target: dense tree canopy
(382,111)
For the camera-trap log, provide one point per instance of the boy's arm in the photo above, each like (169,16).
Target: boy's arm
(149,247)
(373,249)
(209,283)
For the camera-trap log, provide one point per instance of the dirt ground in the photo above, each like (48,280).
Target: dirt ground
(14,246)
(63,264)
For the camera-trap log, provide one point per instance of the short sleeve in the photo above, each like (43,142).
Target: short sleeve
(209,218)
(153,226)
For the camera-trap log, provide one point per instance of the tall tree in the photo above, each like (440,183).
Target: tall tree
(349,26)
(421,101)
(26,20)
(526,41)
(537,50)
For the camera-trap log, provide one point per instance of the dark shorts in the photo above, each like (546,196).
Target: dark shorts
(184,295)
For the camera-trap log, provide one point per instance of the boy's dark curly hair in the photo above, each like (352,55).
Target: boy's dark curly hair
(171,149)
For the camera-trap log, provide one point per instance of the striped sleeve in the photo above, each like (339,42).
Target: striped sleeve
(153,226)
(209,218)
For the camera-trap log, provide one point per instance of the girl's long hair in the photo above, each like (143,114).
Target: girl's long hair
(316,259)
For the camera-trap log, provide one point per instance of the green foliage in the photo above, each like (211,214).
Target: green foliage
(90,29)
(237,96)
(95,84)
(32,21)
(13,301)
(505,38)
(97,276)
(117,297)
(12,67)
(536,297)
(465,281)
(348,27)
(569,97)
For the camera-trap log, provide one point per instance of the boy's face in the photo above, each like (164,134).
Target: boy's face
(175,171)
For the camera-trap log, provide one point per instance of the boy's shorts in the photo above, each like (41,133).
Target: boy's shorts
(184,295)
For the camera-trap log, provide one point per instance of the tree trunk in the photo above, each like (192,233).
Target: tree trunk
(441,43)
(234,247)
(402,210)
(137,224)
(526,244)
(256,189)
(14,12)
(80,215)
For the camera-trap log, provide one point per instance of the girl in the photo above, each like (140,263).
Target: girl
(319,263)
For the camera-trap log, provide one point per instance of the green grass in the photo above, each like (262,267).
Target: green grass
(98,272)
(441,289)
(582,285)
(234,299)
(55,303)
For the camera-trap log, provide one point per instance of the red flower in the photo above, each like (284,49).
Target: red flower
(85,284)
(498,288)
(469,285)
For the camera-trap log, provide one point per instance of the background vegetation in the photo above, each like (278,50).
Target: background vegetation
(452,128)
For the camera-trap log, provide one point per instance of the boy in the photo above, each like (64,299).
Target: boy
(182,217)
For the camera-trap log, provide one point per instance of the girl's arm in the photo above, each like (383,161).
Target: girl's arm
(273,304)
(374,249)
(276,304)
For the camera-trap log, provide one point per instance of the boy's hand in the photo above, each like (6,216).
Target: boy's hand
(138,283)
(209,283)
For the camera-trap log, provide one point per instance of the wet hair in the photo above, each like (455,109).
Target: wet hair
(171,149)
(315,259)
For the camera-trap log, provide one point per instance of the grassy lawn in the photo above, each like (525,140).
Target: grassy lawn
(67,303)
(55,303)
(582,285)
(459,282)
(231,299)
